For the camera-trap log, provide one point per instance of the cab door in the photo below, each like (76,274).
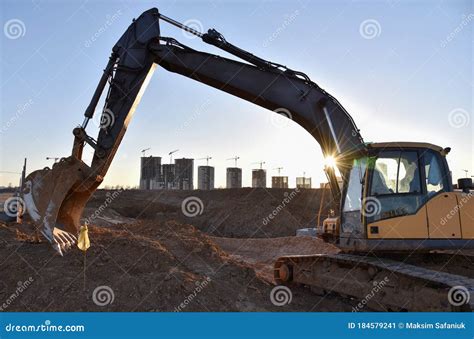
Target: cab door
(442,206)
(443,216)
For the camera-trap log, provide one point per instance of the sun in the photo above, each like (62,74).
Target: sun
(330,162)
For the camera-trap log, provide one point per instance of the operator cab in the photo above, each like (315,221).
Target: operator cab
(402,191)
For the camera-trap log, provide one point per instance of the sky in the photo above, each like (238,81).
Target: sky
(402,69)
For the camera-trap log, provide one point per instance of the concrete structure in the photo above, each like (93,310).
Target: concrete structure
(184,173)
(259,178)
(150,172)
(234,177)
(302,182)
(279,182)
(168,178)
(205,177)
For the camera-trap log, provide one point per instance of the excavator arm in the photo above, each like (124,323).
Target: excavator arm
(55,198)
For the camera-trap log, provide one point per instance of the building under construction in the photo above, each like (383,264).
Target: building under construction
(150,172)
(302,182)
(167,173)
(279,182)
(184,173)
(234,177)
(259,178)
(154,175)
(205,177)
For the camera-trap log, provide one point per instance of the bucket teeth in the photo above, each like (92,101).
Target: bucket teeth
(61,240)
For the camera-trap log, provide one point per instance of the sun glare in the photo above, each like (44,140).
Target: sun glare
(330,161)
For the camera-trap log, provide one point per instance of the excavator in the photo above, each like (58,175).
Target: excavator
(398,214)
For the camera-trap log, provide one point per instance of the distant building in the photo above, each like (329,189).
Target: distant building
(302,182)
(279,182)
(184,173)
(205,177)
(168,179)
(259,178)
(150,172)
(234,177)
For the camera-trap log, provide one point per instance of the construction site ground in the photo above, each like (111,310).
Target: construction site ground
(155,258)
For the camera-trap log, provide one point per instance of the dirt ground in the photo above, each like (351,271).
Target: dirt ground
(239,213)
(147,256)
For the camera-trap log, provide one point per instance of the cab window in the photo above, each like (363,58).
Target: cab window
(435,182)
(395,184)
(396,173)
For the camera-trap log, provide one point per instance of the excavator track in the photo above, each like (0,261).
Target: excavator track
(379,283)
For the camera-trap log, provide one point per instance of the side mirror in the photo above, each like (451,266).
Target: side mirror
(465,184)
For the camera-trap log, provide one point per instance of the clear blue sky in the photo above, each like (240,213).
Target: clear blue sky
(411,81)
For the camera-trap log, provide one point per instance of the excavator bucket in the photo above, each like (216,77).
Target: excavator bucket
(55,199)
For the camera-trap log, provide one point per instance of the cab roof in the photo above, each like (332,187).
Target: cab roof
(407,144)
